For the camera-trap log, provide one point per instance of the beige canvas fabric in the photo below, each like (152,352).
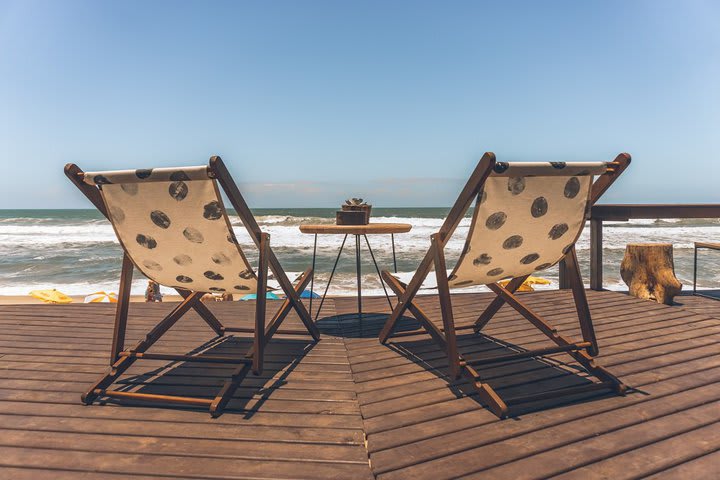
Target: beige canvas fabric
(527,217)
(173,225)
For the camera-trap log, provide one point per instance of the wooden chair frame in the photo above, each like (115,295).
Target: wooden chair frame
(583,352)
(122,358)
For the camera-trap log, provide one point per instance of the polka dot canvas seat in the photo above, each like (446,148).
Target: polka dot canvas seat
(173,225)
(526,218)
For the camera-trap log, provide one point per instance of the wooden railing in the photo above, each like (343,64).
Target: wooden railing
(601,213)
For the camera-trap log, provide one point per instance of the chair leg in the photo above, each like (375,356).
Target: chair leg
(259,337)
(446,309)
(121,365)
(228,390)
(487,395)
(121,310)
(408,294)
(581,303)
(551,332)
(497,303)
(292,295)
(282,312)
(485,392)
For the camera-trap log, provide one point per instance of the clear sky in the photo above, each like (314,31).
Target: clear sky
(311,102)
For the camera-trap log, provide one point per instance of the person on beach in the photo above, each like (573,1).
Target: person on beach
(152,292)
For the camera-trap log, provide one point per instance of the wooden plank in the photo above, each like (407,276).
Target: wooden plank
(68,473)
(530,457)
(329,405)
(482,440)
(701,468)
(180,465)
(660,456)
(137,442)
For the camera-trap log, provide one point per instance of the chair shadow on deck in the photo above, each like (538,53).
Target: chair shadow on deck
(350,325)
(521,377)
(202,380)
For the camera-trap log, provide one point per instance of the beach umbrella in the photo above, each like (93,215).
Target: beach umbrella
(252,296)
(101,297)
(309,294)
(50,296)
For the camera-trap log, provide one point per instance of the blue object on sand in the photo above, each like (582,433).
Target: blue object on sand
(253,296)
(309,294)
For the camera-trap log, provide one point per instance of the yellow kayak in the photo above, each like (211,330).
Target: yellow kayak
(50,296)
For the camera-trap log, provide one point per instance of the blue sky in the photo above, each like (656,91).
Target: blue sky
(312,102)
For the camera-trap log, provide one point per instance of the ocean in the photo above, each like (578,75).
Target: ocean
(75,251)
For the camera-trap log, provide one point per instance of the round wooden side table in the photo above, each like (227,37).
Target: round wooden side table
(358,231)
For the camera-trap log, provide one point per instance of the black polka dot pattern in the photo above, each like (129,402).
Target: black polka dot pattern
(482,197)
(500,167)
(152,265)
(213,275)
(483,259)
(246,274)
(179,176)
(496,220)
(572,188)
(129,188)
(117,214)
(194,235)
(539,207)
(558,231)
(213,211)
(178,190)
(528,259)
(160,219)
(170,223)
(182,260)
(146,241)
(522,210)
(512,242)
(221,259)
(516,185)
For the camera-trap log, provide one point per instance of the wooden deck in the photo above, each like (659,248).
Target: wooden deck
(349,408)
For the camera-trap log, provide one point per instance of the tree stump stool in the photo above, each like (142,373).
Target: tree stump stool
(649,271)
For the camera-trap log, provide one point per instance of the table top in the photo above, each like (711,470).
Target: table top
(369,229)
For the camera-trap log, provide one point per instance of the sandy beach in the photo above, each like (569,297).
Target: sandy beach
(28,300)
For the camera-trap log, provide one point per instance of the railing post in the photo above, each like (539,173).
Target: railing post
(596,254)
(563,275)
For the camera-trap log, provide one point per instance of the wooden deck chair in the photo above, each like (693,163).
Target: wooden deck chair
(173,226)
(527,218)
